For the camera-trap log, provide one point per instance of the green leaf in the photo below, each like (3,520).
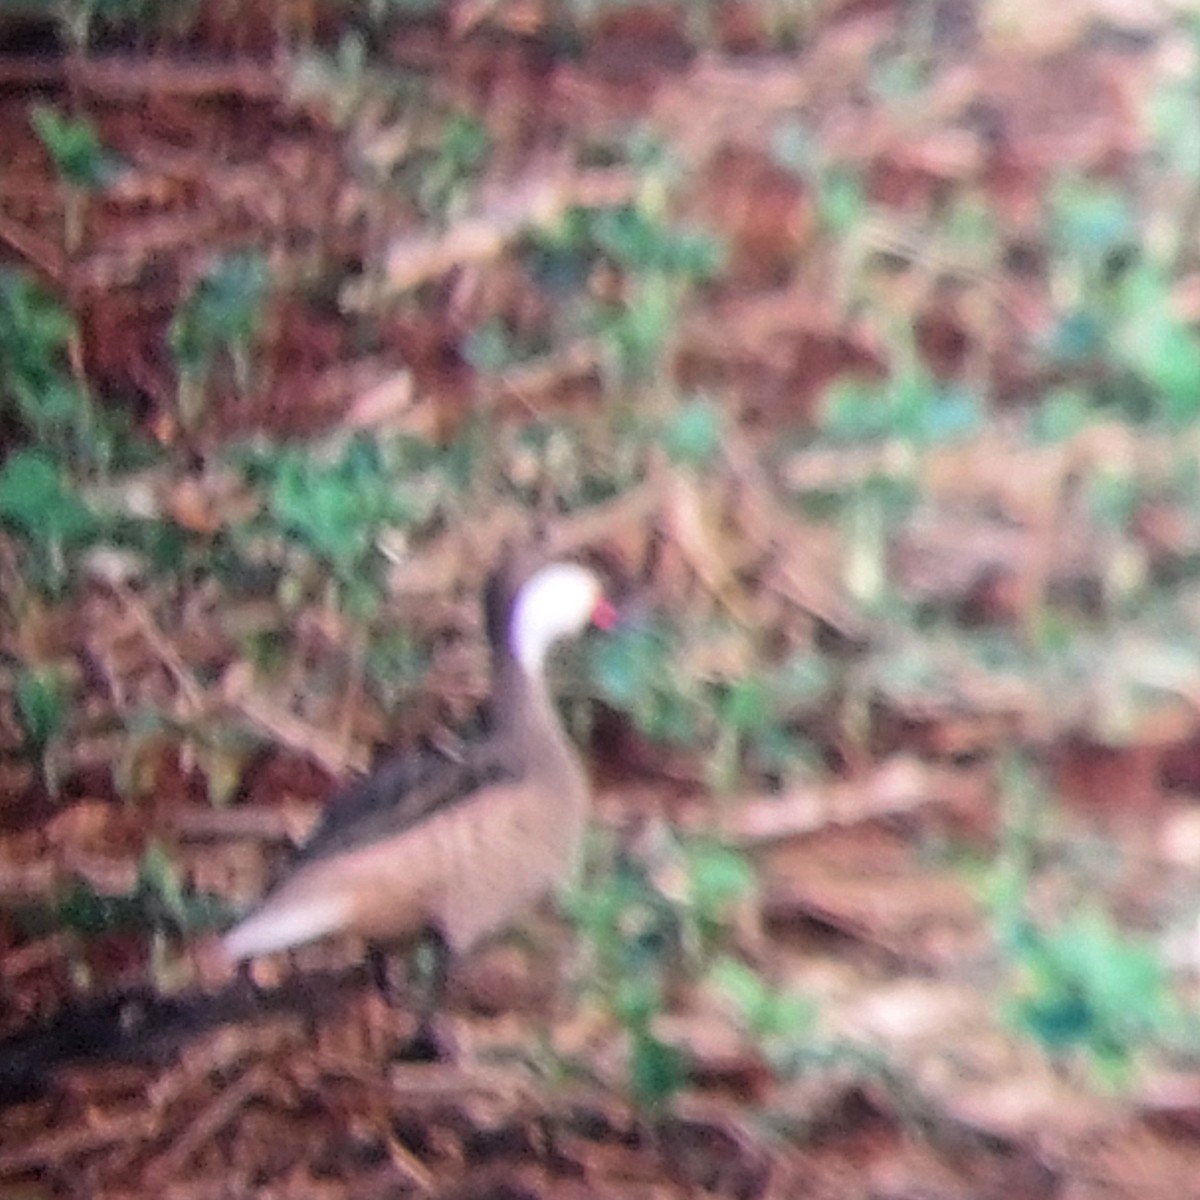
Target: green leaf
(632,669)
(41,707)
(82,910)
(1092,220)
(1158,346)
(803,681)
(765,1011)
(658,1071)
(853,411)
(841,201)
(719,876)
(446,174)
(739,984)
(225,310)
(490,348)
(1112,498)
(465,143)
(1063,413)
(746,706)
(159,880)
(637,999)
(79,157)
(34,327)
(1172,113)
(322,508)
(693,435)
(642,330)
(1088,986)
(640,241)
(38,504)
(1078,336)
(947,413)
(157,902)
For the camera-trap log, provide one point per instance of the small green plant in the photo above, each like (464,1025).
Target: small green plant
(625,926)
(1119,323)
(1083,987)
(658,262)
(745,723)
(157,904)
(555,464)
(41,707)
(333,509)
(742,711)
(37,385)
(42,509)
(637,671)
(757,716)
(82,163)
(1092,228)
(1158,346)
(778,1021)
(638,332)
(72,142)
(221,320)
(840,194)
(647,923)
(693,433)
(458,157)
(909,405)
(491,349)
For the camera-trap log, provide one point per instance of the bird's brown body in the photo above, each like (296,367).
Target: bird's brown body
(458,846)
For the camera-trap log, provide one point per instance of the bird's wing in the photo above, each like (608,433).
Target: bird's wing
(403,792)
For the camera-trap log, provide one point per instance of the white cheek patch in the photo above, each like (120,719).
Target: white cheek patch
(556,602)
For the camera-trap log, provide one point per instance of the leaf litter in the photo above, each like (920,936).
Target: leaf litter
(864,173)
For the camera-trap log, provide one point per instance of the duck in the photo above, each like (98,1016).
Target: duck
(455,847)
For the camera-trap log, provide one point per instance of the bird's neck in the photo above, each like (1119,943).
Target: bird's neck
(523,706)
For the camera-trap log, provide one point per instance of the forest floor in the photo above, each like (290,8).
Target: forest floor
(859,341)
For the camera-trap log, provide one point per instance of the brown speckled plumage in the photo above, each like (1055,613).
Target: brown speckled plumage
(458,846)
